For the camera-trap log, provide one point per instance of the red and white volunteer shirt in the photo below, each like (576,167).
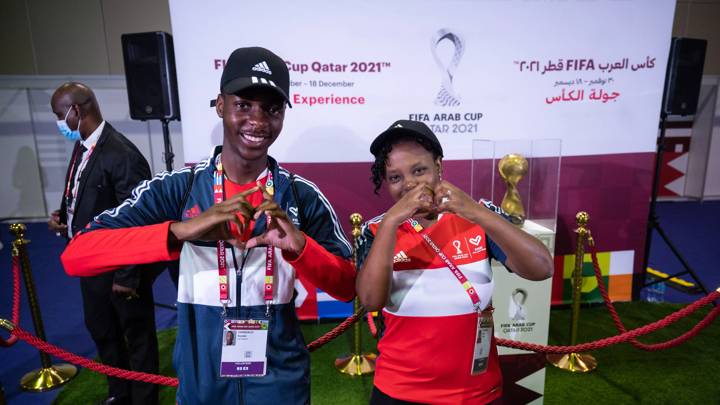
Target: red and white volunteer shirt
(427,347)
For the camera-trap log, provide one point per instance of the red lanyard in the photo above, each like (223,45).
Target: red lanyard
(469,289)
(69,198)
(218,193)
(269,250)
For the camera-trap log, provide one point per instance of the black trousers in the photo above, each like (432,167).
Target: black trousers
(124,332)
(380,398)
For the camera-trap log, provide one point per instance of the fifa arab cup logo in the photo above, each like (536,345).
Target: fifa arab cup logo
(447,97)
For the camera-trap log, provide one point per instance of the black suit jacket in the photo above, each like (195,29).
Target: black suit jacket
(115,167)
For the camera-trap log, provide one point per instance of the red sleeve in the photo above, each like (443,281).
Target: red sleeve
(103,250)
(330,273)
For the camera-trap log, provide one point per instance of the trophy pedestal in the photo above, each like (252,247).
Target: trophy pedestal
(522,308)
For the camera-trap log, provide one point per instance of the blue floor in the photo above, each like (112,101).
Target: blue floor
(61,304)
(693,227)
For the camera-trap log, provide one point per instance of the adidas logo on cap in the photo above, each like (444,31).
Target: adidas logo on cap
(255,67)
(262,67)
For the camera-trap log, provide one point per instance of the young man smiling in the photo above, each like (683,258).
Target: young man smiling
(243,228)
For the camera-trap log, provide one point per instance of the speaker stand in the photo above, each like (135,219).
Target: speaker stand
(654,224)
(168,156)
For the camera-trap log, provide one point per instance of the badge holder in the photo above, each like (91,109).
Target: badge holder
(244,348)
(483,337)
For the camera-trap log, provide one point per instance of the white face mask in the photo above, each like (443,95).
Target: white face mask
(72,135)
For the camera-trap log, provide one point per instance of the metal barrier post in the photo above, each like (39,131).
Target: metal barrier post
(49,376)
(356,363)
(576,362)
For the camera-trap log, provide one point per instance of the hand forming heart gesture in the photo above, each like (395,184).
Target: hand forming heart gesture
(212,225)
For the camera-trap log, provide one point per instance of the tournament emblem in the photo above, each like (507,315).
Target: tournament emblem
(447,97)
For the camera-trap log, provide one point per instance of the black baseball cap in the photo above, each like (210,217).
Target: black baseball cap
(402,128)
(255,67)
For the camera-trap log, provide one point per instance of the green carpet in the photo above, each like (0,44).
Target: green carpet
(687,374)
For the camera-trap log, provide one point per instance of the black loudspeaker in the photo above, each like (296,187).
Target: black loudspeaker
(685,69)
(150,75)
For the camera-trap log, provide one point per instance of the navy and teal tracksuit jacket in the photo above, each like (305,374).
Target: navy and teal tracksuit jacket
(137,232)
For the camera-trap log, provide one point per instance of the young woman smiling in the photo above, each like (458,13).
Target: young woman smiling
(426,264)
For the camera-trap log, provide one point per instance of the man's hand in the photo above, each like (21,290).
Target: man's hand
(280,232)
(122,291)
(211,225)
(54,224)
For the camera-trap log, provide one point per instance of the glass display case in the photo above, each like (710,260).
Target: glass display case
(537,188)
(530,180)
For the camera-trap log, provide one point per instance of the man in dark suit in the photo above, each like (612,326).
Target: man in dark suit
(118,306)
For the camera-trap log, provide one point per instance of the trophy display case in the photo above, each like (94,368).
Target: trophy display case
(522,177)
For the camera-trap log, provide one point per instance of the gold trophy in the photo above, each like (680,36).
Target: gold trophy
(512,168)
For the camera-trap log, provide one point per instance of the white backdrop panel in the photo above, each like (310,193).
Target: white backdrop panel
(589,72)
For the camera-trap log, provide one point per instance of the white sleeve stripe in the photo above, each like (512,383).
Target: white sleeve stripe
(366,226)
(336,225)
(145,185)
(376,219)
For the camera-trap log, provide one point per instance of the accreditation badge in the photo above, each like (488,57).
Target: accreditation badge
(244,348)
(483,337)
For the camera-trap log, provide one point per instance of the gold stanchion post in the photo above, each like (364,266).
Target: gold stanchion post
(50,376)
(576,362)
(356,363)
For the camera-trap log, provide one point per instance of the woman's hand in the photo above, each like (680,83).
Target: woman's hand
(418,200)
(526,256)
(449,198)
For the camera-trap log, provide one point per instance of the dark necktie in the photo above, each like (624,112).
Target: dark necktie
(71,180)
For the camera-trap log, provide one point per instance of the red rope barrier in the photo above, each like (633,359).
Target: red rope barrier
(621,327)
(93,365)
(16,301)
(145,377)
(335,332)
(170,381)
(49,348)
(626,336)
